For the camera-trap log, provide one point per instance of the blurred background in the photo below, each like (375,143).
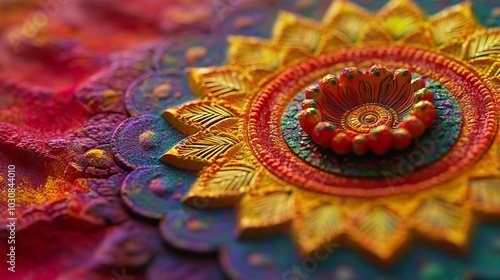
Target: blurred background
(57,43)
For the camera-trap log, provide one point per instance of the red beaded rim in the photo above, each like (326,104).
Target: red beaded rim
(475,97)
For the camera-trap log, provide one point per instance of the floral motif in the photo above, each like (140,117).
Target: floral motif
(244,101)
(235,142)
(377,110)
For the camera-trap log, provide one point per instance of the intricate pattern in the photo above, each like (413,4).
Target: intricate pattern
(359,111)
(260,79)
(434,144)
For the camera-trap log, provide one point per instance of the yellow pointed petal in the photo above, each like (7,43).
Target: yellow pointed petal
(483,45)
(375,34)
(380,231)
(294,55)
(485,195)
(402,7)
(198,115)
(250,51)
(453,48)
(264,214)
(440,220)
(317,225)
(331,41)
(419,37)
(296,31)
(202,148)
(221,186)
(347,18)
(261,75)
(222,82)
(400,18)
(453,23)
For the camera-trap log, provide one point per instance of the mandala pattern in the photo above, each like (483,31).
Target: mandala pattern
(236,137)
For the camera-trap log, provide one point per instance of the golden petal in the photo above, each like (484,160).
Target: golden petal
(347,18)
(218,82)
(453,23)
(483,45)
(381,230)
(400,18)
(260,75)
(251,51)
(419,37)
(453,48)
(331,41)
(198,115)
(441,220)
(222,185)
(401,7)
(296,31)
(485,194)
(317,225)
(375,34)
(294,55)
(264,214)
(202,148)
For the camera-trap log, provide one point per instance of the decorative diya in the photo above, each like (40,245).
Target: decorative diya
(361,109)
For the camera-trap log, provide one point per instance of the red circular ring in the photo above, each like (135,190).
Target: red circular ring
(468,86)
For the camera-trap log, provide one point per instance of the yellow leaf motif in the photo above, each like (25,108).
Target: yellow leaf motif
(218,82)
(296,31)
(199,115)
(222,186)
(255,52)
(444,220)
(347,18)
(452,24)
(199,149)
(400,18)
(318,226)
(264,214)
(486,194)
(486,45)
(379,224)
(381,230)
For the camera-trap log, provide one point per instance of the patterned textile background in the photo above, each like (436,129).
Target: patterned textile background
(98,181)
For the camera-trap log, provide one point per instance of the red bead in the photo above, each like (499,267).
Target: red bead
(423,94)
(414,125)
(323,133)
(401,138)
(425,111)
(360,144)
(341,143)
(311,92)
(309,118)
(417,84)
(380,140)
(309,103)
